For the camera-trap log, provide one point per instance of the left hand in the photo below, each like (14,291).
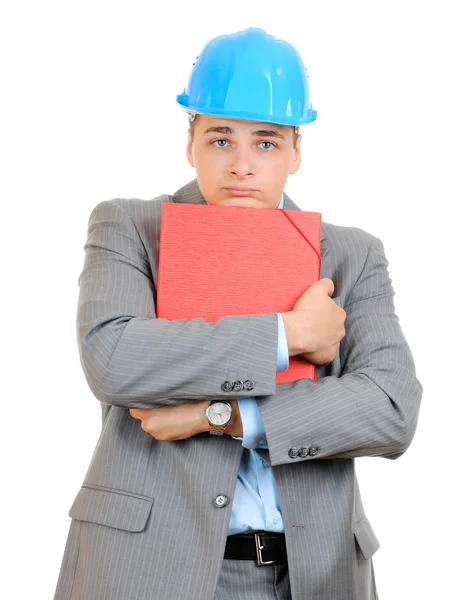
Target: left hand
(182,421)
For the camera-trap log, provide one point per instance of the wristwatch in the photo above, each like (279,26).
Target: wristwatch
(219,414)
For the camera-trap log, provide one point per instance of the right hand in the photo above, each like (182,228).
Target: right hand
(315,326)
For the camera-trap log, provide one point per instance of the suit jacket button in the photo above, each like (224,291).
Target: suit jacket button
(248,385)
(293,452)
(302,452)
(220,501)
(313,450)
(238,386)
(227,386)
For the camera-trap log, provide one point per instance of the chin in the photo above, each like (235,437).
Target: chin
(244,201)
(230,200)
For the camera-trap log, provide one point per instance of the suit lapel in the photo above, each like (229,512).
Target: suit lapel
(189,194)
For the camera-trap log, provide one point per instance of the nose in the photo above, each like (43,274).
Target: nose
(241,163)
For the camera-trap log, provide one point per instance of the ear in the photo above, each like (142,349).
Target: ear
(189,149)
(296,161)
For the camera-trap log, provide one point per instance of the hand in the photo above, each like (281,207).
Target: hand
(182,421)
(176,422)
(315,326)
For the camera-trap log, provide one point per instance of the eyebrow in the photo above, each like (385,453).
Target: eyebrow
(260,132)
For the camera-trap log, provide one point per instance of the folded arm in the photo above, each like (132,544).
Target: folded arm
(372,408)
(181,421)
(132,359)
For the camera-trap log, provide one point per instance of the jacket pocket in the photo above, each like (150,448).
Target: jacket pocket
(113,508)
(366,538)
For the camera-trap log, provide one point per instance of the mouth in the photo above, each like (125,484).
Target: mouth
(240,192)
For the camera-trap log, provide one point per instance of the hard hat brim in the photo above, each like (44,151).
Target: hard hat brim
(246,116)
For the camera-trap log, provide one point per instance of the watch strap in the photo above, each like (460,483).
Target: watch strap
(217,430)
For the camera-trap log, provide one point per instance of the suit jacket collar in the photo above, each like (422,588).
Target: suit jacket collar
(191,194)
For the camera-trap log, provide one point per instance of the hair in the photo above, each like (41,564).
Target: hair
(192,127)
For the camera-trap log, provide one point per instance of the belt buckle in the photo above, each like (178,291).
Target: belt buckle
(259,548)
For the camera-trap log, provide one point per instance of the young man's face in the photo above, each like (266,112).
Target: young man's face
(242,163)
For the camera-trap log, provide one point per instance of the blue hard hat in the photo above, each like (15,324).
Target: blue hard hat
(250,75)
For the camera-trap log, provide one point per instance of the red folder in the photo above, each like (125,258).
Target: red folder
(217,261)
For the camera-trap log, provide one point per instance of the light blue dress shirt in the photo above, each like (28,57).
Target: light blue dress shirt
(255,503)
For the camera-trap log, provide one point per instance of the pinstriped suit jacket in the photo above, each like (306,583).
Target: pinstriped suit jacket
(144,524)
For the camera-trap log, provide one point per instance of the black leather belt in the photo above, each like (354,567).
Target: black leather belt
(263,547)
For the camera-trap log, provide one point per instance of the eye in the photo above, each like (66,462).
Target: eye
(220,143)
(267,145)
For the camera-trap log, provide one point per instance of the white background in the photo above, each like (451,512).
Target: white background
(88,113)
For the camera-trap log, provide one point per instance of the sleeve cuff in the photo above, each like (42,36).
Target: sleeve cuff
(253,426)
(282,348)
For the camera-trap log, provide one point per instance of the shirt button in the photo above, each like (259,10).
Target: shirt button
(293,452)
(313,450)
(276,520)
(220,501)
(265,464)
(262,442)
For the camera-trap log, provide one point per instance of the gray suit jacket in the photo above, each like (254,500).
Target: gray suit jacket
(144,523)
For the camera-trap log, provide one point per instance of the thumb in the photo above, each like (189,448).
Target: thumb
(327,285)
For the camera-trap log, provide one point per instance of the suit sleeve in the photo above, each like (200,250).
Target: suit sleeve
(371,409)
(132,359)
(253,426)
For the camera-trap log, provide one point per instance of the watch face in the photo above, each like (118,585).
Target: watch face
(219,413)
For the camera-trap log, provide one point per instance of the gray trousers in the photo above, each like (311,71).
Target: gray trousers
(244,580)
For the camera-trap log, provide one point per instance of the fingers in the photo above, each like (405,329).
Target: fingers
(142,414)
(139,413)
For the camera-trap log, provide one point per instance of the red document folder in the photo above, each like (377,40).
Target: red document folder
(217,261)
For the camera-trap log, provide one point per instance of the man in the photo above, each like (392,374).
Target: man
(200,487)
